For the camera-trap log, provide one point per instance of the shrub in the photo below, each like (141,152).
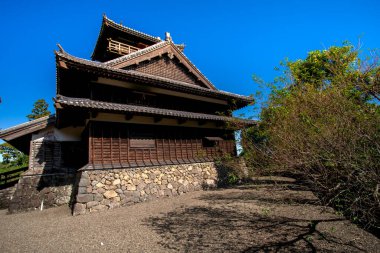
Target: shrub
(325,125)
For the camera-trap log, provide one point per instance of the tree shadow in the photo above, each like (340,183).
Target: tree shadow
(220,229)
(238,220)
(269,195)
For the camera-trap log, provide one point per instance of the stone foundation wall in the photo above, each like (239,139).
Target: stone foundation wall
(32,191)
(46,182)
(5,196)
(106,189)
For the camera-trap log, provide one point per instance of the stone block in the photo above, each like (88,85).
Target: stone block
(210,182)
(110,194)
(84,198)
(105,202)
(131,187)
(92,204)
(141,186)
(85,175)
(98,197)
(116,182)
(101,190)
(84,182)
(99,185)
(114,205)
(98,208)
(129,195)
(79,209)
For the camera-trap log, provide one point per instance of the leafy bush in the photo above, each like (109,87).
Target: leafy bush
(12,158)
(324,123)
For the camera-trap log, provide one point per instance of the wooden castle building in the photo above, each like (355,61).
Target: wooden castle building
(137,121)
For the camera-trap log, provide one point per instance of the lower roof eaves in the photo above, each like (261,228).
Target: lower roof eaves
(63,101)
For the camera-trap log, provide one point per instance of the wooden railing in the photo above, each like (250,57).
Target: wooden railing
(120,48)
(10,177)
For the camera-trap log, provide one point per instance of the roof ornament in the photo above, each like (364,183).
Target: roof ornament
(167,37)
(60,48)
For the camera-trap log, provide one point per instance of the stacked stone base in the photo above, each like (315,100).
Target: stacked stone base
(107,189)
(41,191)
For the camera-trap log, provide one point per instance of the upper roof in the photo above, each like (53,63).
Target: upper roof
(110,28)
(108,24)
(66,60)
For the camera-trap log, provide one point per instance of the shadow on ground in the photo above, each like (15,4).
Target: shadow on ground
(252,219)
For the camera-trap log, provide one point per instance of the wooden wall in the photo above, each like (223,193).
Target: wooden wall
(140,145)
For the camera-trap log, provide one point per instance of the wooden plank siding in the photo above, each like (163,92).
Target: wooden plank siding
(110,143)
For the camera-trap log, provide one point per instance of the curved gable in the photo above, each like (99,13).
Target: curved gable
(166,66)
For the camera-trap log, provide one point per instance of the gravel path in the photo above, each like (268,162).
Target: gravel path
(249,218)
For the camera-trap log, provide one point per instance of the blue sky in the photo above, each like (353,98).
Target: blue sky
(227,40)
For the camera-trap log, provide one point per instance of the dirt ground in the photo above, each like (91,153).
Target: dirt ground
(265,217)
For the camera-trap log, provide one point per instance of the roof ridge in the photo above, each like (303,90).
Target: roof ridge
(193,65)
(136,32)
(136,54)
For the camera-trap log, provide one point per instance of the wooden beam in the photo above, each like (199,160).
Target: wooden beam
(128,116)
(201,122)
(219,123)
(63,65)
(181,121)
(157,119)
(94,114)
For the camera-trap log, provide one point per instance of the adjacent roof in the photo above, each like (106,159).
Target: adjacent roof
(104,70)
(157,50)
(114,107)
(26,128)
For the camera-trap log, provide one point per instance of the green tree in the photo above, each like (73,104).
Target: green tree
(12,156)
(324,125)
(40,109)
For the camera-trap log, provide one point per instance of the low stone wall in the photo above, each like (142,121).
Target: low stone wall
(46,182)
(106,189)
(6,196)
(32,191)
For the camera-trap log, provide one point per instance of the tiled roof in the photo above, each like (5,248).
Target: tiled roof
(163,82)
(107,106)
(26,128)
(195,68)
(129,30)
(120,27)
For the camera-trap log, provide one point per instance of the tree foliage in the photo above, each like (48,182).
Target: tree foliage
(40,109)
(325,125)
(11,156)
